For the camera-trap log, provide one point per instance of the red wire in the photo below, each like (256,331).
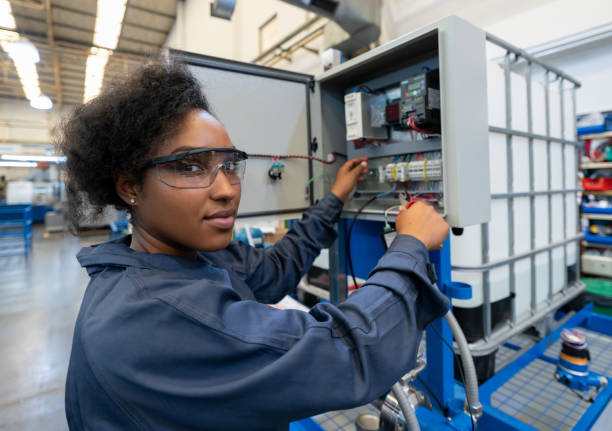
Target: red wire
(418,129)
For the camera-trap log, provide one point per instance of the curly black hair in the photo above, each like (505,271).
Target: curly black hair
(118,131)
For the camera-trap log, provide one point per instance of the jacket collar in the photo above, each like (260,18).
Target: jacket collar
(117,253)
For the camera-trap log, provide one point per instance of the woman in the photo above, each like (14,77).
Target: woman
(173,332)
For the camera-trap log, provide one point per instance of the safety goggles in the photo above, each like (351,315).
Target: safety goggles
(198,168)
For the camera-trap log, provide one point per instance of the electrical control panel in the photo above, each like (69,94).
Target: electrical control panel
(416,107)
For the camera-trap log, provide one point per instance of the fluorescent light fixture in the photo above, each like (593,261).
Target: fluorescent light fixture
(33,158)
(18,164)
(41,102)
(25,56)
(109,19)
(23,51)
(94,72)
(6,15)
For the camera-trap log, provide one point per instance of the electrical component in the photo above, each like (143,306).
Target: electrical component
(420,100)
(276,171)
(423,170)
(392,113)
(360,109)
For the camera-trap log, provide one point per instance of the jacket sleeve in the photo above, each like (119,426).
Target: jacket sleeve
(275,272)
(244,365)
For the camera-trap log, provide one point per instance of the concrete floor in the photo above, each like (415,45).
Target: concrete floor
(39,302)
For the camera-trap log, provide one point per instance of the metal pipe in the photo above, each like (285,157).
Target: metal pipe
(532,266)
(533,193)
(563,179)
(298,44)
(486,278)
(508,260)
(286,39)
(412,423)
(522,53)
(510,189)
(578,157)
(508,131)
(549,184)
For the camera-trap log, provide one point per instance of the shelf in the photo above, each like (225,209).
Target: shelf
(596,165)
(603,135)
(596,210)
(607,217)
(590,244)
(597,192)
(597,239)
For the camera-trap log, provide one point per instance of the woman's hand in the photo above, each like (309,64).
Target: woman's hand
(422,222)
(348,176)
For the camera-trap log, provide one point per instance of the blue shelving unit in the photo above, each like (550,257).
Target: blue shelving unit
(15,230)
(597,239)
(595,210)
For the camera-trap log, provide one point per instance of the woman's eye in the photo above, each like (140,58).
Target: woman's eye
(190,168)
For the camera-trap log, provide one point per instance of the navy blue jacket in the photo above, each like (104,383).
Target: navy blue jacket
(168,343)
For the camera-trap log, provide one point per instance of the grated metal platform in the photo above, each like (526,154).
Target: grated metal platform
(534,396)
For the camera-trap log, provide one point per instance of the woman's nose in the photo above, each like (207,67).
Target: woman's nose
(221,188)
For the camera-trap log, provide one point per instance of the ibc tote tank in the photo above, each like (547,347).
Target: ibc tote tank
(534,205)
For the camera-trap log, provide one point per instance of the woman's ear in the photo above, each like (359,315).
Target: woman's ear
(127,189)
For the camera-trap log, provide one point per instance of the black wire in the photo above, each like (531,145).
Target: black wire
(348,238)
(460,369)
(433,395)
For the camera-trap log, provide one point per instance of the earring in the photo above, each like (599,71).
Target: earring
(132,201)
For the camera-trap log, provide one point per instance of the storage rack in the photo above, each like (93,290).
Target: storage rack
(15,230)
(591,264)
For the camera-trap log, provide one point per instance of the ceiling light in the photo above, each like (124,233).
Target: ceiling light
(34,158)
(23,51)
(25,56)
(6,15)
(18,164)
(41,102)
(94,72)
(109,19)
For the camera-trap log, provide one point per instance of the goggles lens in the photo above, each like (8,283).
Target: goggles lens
(200,170)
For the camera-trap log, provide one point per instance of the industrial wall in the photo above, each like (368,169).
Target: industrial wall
(524,23)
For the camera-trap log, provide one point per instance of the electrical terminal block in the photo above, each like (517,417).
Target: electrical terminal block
(390,172)
(401,172)
(423,170)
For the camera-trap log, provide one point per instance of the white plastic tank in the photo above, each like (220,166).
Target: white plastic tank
(467,250)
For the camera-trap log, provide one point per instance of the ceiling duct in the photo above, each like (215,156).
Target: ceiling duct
(354,23)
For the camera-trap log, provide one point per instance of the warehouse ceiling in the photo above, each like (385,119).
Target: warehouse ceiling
(63,33)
